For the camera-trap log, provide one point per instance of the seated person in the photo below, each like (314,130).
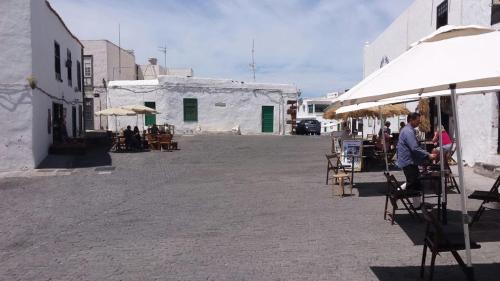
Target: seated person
(387,137)
(387,129)
(130,140)
(137,135)
(447,143)
(155,130)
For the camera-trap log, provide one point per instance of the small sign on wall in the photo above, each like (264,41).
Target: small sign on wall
(220,104)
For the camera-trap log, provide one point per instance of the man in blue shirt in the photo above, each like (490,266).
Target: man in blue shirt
(410,154)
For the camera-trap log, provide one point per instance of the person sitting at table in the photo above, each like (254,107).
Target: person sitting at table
(137,135)
(130,140)
(447,143)
(410,155)
(155,130)
(386,128)
(387,137)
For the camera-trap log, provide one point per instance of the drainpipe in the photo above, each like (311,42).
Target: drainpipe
(83,93)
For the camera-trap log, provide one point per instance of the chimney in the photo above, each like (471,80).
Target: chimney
(153,61)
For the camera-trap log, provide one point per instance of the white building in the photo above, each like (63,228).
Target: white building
(153,70)
(313,108)
(36,46)
(197,105)
(103,61)
(478,114)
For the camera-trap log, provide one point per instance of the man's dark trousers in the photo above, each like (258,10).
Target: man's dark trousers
(412,177)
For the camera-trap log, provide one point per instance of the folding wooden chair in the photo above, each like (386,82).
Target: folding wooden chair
(339,173)
(394,194)
(165,142)
(450,159)
(439,240)
(153,142)
(487,197)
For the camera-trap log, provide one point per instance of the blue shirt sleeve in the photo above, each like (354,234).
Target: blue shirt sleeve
(418,152)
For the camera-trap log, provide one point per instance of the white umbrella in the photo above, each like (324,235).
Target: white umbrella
(140,109)
(451,58)
(467,61)
(115,111)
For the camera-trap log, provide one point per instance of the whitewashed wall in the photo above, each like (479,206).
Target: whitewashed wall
(243,103)
(28,29)
(47,28)
(478,113)
(15,96)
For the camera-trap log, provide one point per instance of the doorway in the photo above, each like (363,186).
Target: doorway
(57,122)
(73,121)
(267,119)
(150,119)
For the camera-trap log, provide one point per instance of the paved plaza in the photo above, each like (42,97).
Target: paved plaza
(221,208)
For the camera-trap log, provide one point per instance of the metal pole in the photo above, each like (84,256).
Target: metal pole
(465,216)
(119,53)
(383,139)
(441,162)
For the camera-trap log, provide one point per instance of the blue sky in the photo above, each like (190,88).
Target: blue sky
(314,44)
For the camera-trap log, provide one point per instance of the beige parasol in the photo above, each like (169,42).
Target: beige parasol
(115,111)
(140,109)
(374,112)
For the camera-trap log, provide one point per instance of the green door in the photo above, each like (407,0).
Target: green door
(150,119)
(267,119)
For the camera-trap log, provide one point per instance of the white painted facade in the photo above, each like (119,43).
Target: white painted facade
(153,70)
(313,108)
(28,30)
(478,114)
(107,62)
(222,104)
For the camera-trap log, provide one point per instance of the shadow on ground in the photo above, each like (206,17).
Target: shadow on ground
(370,189)
(95,156)
(483,272)
(487,229)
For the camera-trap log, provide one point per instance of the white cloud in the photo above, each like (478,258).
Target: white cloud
(316,45)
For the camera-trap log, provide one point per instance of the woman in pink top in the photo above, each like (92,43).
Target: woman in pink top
(447,143)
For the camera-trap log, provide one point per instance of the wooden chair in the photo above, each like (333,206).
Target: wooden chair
(394,194)
(165,141)
(339,174)
(439,240)
(487,197)
(450,179)
(450,159)
(153,142)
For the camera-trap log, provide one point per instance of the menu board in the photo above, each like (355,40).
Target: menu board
(352,150)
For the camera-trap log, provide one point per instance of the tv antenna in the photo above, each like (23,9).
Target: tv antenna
(163,50)
(252,65)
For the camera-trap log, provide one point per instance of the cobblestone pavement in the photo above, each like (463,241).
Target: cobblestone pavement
(222,208)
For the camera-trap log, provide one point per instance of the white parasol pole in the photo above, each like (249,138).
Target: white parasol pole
(116,124)
(465,217)
(441,163)
(383,138)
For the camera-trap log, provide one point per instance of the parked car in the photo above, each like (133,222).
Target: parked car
(309,127)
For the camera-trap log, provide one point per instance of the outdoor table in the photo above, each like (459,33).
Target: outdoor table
(434,179)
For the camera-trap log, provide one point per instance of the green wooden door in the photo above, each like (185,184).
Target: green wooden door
(267,119)
(150,119)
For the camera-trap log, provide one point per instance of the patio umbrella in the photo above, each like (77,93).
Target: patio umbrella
(140,109)
(115,111)
(463,57)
